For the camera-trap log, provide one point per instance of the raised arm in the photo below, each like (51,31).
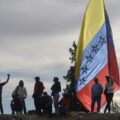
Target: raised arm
(8,77)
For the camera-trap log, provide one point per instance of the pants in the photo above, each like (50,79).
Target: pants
(109,97)
(17,106)
(56,99)
(24,107)
(94,100)
(1,107)
(36,103)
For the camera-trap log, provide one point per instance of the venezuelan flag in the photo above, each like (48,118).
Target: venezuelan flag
(95,54)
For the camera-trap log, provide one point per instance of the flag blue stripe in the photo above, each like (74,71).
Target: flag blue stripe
(94,58)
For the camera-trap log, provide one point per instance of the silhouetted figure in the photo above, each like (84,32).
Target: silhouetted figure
(64,105)
(1,85)
(56,88)
(96,92)
(109,92)
(38,90)
(19,96)
(47,106)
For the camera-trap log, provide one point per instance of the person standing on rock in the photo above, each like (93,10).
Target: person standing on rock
(1,85)
(109,92)
(56,88)
(38,91)
(96,92)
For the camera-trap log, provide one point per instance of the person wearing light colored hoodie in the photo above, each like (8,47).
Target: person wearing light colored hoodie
(21,92)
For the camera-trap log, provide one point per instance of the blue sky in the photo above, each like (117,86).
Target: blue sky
(35,36)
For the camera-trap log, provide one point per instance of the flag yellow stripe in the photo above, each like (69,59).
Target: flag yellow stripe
(93,20)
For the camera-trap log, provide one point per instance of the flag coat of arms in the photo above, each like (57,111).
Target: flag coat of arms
(95,54)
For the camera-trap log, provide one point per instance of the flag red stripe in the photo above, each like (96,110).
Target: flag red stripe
(84,94)
(112,61)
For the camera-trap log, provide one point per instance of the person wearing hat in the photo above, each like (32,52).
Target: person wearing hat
(56,88)
(38,91)
(96,92)
(109,92)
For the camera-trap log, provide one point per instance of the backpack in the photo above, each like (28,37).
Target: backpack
(15,93)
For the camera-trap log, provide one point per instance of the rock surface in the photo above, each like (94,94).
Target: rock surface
(72,116)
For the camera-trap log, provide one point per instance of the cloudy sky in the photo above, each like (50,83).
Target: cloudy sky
(35,36)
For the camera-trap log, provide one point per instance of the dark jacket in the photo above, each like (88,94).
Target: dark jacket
(1,85)
(56,87)
(97,89)
(38,89)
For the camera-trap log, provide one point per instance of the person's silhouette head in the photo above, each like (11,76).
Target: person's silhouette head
(96,80)
(55,79)
(107,78)
(37,78)
(21,83)
(45,93)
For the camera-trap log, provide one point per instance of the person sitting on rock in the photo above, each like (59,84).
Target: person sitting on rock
(64,105)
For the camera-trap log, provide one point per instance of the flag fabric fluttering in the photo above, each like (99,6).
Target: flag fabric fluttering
(95,54)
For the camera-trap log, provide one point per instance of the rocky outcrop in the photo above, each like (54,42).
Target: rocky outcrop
(72,116)
(14,117)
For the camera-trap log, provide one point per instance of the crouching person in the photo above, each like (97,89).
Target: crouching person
(18,102)
(64,105)
(47,99)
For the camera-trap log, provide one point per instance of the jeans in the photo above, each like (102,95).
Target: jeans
(1,107)
(94,100)
(56,99)
(109,97)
